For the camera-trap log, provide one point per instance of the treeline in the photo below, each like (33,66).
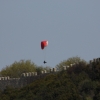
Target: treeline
(17,68)
(79,82)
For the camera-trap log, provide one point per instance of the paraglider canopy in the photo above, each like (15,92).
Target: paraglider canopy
(44,44)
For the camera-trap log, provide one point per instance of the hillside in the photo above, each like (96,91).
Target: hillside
(79,82)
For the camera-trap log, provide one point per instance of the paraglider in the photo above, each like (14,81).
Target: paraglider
(44,62)
(43,45)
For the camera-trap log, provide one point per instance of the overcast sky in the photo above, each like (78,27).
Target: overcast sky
(72,28)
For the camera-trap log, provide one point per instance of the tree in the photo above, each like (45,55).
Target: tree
(69,61)
(17,68)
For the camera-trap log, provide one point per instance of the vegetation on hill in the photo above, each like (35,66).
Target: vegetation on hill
(17,68)
(72,60)
(79,82)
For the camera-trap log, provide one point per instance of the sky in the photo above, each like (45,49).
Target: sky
(72,28)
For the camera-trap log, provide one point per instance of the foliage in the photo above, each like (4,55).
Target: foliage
(41,68)
(17,68)
(79,82)
(69,61)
